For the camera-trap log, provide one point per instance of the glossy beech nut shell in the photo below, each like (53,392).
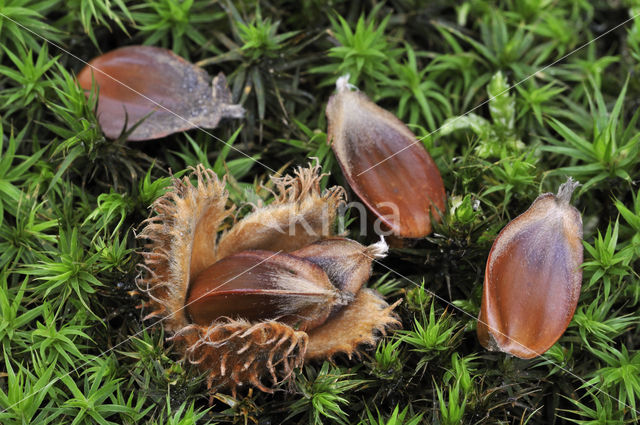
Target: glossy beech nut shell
(262,285)
(154,84)
(384,164)
(533,277)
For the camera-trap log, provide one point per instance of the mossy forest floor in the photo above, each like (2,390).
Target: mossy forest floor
(74,346)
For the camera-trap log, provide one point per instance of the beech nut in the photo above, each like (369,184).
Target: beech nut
(259,285)
(156,86)
(256,301)
(384,163)
(533,277)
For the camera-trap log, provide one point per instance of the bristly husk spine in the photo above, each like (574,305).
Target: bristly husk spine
(299,202)
(367,315)
(171,231)
(237,352)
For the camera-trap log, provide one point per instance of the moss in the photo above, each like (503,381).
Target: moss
(76,347)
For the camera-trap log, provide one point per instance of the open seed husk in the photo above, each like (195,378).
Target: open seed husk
(155,85)
(384,164)
(533,277)
(281,308)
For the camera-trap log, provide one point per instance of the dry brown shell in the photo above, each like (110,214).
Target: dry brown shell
(154,84)
(384,164)
(533,277)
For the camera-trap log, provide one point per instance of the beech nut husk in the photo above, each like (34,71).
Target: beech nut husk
(533,277)
(252,303)
(384,163)
(155,85)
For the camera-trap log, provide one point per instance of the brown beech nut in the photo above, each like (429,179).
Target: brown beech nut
(256,301)
(347,263)
(384,163)
(154,84)
(262,285)
(533,277)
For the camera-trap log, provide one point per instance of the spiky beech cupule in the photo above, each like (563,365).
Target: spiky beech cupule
(249,304)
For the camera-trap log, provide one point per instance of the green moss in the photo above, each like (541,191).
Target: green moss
(76,349)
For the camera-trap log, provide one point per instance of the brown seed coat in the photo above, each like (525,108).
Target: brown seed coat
(533,278)
(174,95)
(405,189)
